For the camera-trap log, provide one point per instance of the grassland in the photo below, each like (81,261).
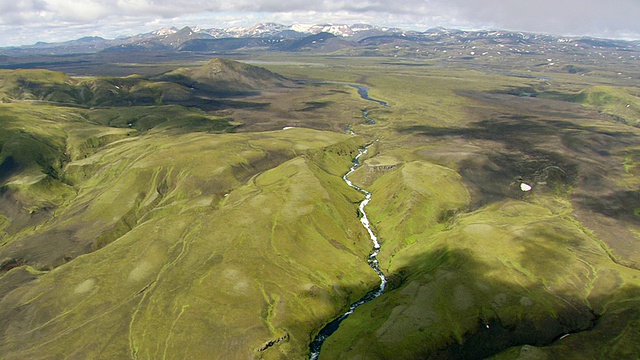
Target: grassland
(160,216)
(475,264)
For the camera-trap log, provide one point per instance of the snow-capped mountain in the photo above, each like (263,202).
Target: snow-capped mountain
(335,29)
(316,37)
(340,29)
(301,30)
(258,30)
(165,31)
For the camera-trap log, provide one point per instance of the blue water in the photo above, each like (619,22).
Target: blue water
(363,91)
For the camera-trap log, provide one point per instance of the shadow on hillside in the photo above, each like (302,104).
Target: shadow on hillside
(206,101)
(547,153)
(211,104)
(218,90)
(621,205)
(315,105)
(8,168)
(498,313)
(525,133)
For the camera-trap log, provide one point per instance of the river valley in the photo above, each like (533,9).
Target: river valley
(331,327)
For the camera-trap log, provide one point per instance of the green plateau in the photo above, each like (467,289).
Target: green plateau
(197,210)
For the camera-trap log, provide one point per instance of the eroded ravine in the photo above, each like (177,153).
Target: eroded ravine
(331,327)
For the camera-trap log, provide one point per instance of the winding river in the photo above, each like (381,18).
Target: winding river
(331,327)
(363,91)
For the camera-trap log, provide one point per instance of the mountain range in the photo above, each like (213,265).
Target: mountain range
(298,37)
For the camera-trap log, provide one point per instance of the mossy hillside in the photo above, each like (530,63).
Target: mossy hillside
(235,73)
(130,180)
(621,102)
(50,136)
(83,142)
(36,84)
(32,76)
(57,87)
(523,140)
(37,142)
(507,264)
(135,90)
(613,336)
(198,87)
(411,201)
(32,139)
(32,158)
(250,269)
(331,158)
(41,129)
(40,138)
(562,148)
(143,118)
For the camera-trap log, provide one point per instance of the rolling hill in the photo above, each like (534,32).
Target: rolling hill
(197,209)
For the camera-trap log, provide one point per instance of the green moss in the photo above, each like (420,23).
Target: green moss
(177,239)
(412,201)
(501,259)
(619,102)
(4,222)
(162,117)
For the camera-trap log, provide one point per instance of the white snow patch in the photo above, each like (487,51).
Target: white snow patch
(288,127)
(525,187)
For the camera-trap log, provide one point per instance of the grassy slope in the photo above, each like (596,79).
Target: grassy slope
(621,102)
(527,273)
(519,263)
(240,226)
(220,241)
(243,268)
(112,222)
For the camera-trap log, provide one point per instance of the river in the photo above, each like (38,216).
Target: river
(363,91)
(331,327)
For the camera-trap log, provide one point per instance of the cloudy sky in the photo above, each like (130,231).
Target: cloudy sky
(29,21)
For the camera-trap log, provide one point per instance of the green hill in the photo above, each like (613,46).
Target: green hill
(227,77)
(201,213)
(621,103)
(162,198)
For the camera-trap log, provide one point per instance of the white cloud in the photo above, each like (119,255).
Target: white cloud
(76,11)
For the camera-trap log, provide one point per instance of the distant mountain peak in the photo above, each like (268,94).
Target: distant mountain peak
(185,30)
(91,38)
(301,37)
